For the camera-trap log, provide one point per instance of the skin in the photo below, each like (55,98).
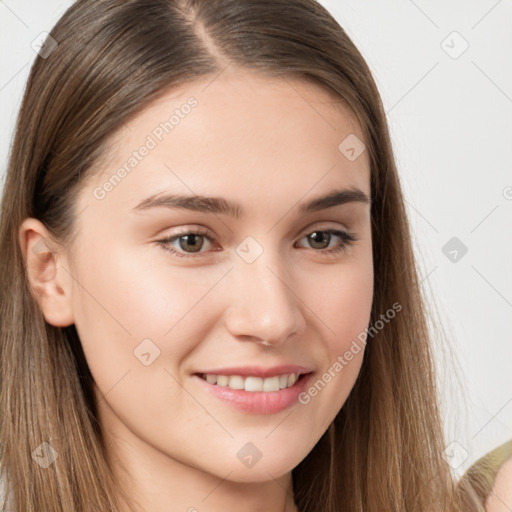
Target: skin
(500,498)
(269,144)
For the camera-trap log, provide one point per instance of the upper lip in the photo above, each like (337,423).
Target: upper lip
(258,371)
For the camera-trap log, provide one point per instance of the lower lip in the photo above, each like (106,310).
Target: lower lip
(258,402)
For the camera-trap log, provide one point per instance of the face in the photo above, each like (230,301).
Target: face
(170,290)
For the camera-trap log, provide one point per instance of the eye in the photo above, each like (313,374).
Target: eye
(322,238)
(191,239)
(190,242)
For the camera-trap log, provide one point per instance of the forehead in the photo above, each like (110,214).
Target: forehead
(238,130)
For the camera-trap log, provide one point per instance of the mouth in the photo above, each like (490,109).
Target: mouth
(255,394)
(253,383)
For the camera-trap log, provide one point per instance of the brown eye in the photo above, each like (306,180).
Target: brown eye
(320,240)
(191,242)
(186,244)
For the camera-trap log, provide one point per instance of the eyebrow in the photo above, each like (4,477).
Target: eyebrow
(219,205)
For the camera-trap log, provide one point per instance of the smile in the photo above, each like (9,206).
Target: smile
(253,383)
(253,394)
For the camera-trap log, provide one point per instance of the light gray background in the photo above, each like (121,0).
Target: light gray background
(450,115)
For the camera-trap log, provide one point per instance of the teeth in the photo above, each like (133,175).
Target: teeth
(222,380)
(236,382)
(271,384)
(212,379)
(253,383)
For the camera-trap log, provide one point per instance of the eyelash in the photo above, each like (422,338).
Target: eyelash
(346,237)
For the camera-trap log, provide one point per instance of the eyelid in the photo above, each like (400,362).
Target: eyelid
(322,226)
(201,230)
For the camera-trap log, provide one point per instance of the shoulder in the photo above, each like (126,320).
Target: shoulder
(500,497)
(490,479)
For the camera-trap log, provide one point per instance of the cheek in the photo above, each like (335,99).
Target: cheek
(130,304)
(344,310)
(137,322)
(345,304)
(134,295)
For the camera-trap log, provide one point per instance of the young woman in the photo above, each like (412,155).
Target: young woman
(209,297)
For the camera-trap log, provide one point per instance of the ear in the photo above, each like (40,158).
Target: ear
(48,272)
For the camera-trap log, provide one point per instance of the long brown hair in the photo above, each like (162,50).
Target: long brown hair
(383,450)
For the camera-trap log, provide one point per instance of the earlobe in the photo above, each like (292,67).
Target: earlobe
(47,271)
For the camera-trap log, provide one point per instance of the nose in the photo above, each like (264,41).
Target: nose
(264,305)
